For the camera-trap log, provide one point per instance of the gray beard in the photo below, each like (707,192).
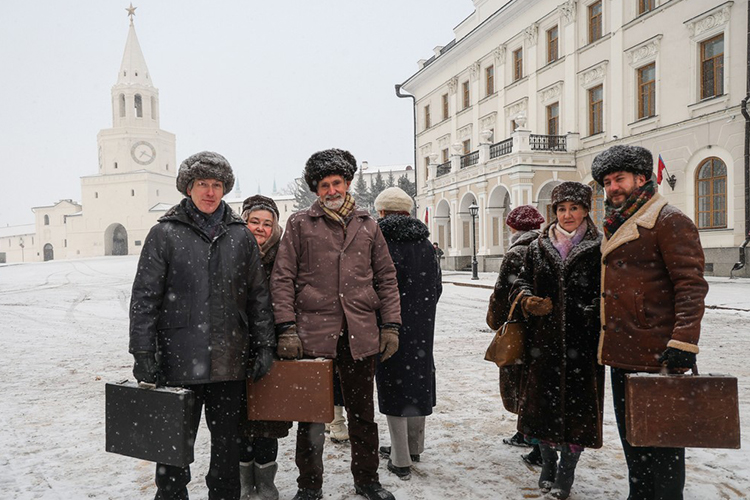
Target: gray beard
(333,204)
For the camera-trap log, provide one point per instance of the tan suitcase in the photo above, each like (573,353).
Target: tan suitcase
(682,411)
(293,391)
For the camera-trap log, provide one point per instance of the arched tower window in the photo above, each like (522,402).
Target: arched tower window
(597,204)
(711,190)
(46,220)
(153,108)
(122,105)
(138,102)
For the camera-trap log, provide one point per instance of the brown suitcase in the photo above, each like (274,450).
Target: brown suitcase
(682,411)
(293,391)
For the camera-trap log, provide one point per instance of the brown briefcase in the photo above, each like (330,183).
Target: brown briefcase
(293,391)
(682,411)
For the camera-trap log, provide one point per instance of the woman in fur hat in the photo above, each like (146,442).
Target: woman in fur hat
(260,445)
(406,381)
(524,223)
(562,386)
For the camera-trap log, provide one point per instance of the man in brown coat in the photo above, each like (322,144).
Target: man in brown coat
(332,273)
(653,294)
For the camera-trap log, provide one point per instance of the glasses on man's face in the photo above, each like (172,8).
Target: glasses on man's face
(216,186)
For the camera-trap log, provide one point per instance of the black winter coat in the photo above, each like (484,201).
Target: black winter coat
(406,382)
(497,313)
(562,386)
(200,304)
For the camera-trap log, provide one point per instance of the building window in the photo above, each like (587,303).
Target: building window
(446,155)
(132,192)
(595,21)
(489,77)
(115,164)
(427,120)
(712,67)
(157,192)
(122,105)
(46,220)
(596,108)
(446,108)
(647,91)
(138,104)
(645,6)
(552,45)
(96,195)
(513,126)
(65,243)
(426,167)
(467,146)
(467,94)
(517,64)
(597,204)
(153,108)
(553,118)
(711,187)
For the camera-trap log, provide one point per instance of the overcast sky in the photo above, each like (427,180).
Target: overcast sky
(266,84)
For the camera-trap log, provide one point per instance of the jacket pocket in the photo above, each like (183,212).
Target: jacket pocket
(172,319)
(640,311)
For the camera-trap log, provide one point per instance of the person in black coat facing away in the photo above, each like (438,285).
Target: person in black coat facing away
(406,382)
(524,222)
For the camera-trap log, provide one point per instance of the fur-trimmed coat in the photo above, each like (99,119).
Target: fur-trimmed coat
(406,382)
(562,388)
(499,307)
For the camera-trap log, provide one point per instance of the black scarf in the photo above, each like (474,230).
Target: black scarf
(208,223)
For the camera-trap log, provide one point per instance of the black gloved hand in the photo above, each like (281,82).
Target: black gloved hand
(261,365)
(677,358)
(145,368)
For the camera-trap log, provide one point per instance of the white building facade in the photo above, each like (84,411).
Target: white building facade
(530,91)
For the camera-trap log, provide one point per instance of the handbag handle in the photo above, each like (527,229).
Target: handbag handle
(513,305)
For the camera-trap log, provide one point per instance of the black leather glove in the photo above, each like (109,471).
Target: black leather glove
(677,358)
(145,368)
(261,365)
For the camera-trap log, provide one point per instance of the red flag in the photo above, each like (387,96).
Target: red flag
(427,215)
(662,166)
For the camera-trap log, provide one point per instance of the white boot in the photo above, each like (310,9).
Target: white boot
(339,430)
(247,480)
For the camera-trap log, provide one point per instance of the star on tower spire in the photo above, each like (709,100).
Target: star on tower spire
(131,12)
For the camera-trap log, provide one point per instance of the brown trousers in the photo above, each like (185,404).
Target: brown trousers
(356,378)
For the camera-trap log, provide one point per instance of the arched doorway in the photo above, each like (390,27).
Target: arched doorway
(443,224)
(497,212)
(49,252)
(544,202)
(116,240)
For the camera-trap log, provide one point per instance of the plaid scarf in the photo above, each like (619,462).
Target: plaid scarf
(616,217)
(343,214)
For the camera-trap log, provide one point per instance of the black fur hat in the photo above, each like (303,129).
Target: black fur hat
(619,158)
(205,165)
(260,202)
(572,191)
(329,162)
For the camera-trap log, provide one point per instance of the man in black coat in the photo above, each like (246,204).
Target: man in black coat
(200,311)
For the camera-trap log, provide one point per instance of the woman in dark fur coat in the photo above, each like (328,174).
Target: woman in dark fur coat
(562,387)
(406,382)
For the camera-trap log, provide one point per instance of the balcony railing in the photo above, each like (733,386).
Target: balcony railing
(547,142)
(501,148)
(469,160)
(444,168)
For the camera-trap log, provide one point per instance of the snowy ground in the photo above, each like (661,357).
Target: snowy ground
(65,334)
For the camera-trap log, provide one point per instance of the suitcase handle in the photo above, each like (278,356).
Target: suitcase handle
(693,370)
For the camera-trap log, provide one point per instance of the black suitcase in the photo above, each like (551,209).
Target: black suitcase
(150,424)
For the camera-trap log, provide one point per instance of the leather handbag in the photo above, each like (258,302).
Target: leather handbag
(506,347)
(293,391)
(150,423)
(682,411)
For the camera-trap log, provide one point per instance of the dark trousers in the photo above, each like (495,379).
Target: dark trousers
(356,377)
(223,403)
(260,449)
(653,473)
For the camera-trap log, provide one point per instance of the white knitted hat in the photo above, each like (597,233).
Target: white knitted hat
(394,199)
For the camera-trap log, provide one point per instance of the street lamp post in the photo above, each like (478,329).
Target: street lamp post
(474,211)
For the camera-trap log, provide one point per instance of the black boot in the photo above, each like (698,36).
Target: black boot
(305,494)
(373,491)
(549,467)
(516,440)
(534,457)
(565,474)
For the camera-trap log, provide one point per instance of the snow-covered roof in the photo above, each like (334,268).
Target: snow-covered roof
(160,207)
(21,230)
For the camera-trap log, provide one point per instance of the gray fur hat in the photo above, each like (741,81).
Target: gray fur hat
(329,162)
(572,191)
(619,158)
(205,165)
